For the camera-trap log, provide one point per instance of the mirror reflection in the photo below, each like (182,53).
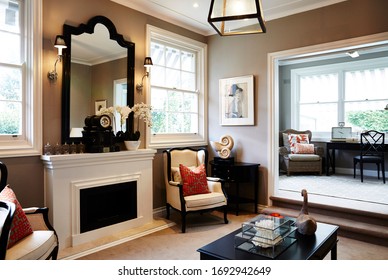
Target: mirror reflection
(98,71)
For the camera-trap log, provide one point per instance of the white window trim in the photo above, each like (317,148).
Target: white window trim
(337,68)
(32,144)
(189,139)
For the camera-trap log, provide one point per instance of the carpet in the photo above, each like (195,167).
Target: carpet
(338,186)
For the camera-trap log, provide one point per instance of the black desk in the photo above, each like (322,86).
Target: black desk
(330,152)
(314,247)
(236,173)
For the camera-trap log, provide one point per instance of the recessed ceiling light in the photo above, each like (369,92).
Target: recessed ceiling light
(195,5)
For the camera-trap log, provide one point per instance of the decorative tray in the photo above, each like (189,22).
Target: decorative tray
(265,235)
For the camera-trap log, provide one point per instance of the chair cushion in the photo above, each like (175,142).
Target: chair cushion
(20,226)
(297,138)
(203,200)
(304,148)
(37,245)
(194,181)
(303,157)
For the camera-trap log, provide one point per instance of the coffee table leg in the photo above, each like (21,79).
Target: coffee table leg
(334,251)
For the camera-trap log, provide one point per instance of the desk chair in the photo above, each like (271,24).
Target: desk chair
(371,151)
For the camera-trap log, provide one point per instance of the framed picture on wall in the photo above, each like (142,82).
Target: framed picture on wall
(99,104)
(236,101)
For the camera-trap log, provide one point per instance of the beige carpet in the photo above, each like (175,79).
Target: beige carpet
(171,244)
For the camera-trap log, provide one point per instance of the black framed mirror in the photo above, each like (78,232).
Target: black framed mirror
(90,76)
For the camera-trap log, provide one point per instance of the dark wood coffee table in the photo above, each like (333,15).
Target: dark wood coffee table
(314,247)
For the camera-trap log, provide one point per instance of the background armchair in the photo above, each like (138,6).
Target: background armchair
(303,160)
(42,243)
(176,199)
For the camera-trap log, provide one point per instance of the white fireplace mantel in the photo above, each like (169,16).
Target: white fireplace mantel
(65,175)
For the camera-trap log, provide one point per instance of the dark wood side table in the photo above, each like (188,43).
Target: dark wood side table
(236,173)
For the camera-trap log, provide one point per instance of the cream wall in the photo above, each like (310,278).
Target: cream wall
(228,57)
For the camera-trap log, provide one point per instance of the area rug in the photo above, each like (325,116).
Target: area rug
(339,186)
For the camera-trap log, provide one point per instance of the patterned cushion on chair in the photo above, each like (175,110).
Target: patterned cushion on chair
(194,181)
(293,139)
(20,226)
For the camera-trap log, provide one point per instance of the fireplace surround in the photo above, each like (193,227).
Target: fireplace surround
(69,177)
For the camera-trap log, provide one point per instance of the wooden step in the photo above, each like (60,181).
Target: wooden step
(355,228)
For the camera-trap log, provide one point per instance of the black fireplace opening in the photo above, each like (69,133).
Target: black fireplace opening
(107,205)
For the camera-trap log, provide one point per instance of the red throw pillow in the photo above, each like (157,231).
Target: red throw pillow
(297,138)
(194,181)
(20,226)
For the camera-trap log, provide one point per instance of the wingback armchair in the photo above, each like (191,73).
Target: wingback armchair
(215,198)
(298,154)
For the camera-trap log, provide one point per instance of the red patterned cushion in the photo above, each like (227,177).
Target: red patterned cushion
(20,226)
(297,138)
(194,181)
(304,148)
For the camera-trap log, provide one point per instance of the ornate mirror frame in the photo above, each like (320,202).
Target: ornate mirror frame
(68,31)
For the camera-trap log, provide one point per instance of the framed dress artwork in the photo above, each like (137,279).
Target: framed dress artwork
(236,101)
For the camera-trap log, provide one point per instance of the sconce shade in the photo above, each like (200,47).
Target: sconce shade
(236,17)
(147,61)
(60,44)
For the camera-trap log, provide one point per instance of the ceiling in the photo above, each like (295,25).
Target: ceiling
(192,14)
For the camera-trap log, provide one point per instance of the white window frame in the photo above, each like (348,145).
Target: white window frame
(339,69)
(185,139)
(30,142)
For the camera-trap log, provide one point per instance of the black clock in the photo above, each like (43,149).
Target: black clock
(98,121)
(105,121)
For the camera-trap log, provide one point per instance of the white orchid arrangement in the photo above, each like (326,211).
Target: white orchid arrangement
(140,111)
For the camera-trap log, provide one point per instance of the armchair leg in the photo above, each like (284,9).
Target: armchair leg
(226,215)
(168,211)
(183,214)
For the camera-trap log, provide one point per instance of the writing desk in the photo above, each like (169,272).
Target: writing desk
(337,145)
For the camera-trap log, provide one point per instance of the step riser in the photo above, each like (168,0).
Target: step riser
(358,216)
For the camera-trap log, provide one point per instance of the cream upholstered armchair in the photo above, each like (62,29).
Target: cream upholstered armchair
(177,196)
(298,154)
(31,235)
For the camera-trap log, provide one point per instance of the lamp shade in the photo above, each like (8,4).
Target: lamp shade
(235,17)
(147,61)
(60,44)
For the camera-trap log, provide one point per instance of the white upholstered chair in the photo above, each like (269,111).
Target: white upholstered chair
(174,188)
(42,243)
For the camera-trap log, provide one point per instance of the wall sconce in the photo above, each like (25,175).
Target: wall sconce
(60,45)
(353,54)
(235,17)
(147,65)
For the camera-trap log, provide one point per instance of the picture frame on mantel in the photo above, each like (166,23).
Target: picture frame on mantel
(236,101)
(99,104)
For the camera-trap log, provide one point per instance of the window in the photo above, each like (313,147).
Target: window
(177,90)
(20,77)
(355,93)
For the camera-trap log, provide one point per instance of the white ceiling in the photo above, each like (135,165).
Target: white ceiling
(184,14)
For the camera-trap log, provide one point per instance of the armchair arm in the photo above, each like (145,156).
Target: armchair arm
(319,151)
(38,218)
(283,151)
